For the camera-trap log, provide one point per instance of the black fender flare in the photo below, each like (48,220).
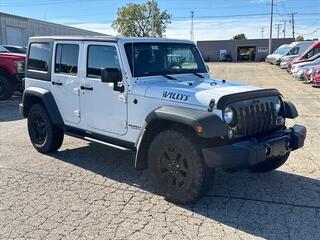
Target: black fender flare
(212,124)
(30,95)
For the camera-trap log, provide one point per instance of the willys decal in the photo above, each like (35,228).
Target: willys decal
(175,96)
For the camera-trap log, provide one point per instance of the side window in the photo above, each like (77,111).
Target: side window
(294,51)
(100,57)
(66,61)
(39,56)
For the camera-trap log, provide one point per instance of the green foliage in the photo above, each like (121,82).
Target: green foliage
(239,36)
(300,38)
(141,20)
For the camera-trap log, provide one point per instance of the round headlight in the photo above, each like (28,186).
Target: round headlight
(228,115)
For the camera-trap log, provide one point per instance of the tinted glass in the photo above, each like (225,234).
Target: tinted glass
(100,57)
(294,51)
(39,56)
(147,59)
(67,59)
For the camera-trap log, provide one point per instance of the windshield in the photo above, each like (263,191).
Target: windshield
(282,50)
(2,49)
(149,59)
(16,49)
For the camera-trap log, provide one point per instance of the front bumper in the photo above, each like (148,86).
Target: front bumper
(244,154)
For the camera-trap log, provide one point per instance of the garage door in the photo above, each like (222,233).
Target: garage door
(14,36)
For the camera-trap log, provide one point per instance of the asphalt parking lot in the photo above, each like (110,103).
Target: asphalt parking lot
(90,191)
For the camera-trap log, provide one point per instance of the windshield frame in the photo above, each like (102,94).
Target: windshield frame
(198,58)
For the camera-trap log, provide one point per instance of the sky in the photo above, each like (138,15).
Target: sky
(213,19)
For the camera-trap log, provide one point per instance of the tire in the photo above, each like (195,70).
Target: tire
(6,87)
(176,167)
(270,165)
(45,137)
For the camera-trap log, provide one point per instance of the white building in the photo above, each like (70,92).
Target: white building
(16,30)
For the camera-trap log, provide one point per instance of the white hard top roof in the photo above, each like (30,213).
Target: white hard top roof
(107,39)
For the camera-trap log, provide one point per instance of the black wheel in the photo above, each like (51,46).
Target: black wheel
(270,165)
(45,136)
(177,168)
(6,88)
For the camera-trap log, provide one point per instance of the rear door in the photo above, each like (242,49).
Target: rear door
(66,80)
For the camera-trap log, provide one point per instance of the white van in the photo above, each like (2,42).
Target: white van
(279,52)
(298,49)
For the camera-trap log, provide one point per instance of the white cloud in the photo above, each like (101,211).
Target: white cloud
(217,29)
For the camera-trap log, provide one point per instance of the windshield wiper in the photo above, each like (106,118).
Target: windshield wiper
(198,75)
(169,77)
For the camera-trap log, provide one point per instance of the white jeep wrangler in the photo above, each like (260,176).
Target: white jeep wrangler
(154,96)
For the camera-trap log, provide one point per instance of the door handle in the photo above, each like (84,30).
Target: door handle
(56,83)
(86,88)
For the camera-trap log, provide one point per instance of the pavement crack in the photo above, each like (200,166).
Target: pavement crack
(263,201)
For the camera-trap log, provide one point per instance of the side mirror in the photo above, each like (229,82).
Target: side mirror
(112,75)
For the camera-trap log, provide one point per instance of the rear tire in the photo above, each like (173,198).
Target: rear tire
(177,168)
(270,165)
(6,87)
(45,136)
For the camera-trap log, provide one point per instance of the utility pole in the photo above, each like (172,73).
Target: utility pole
(292,22)
(284,28)
(271,23)
(192,31)
(262,32)
(278,29)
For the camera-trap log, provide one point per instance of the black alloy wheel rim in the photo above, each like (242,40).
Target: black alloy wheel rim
(38,130)
(174,169)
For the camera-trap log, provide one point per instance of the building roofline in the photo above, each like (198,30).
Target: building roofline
(50,23)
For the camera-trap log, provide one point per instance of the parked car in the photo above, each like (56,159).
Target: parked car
(15,49)
(11,73)
(226,58)
(181,123)
(315,60)
(279,52)
(315,78)
(310,52)
(298,48)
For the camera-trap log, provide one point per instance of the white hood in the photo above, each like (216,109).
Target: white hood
(188,89)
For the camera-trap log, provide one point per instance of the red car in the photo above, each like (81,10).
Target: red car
(316,78)
(11,73)
(310,52)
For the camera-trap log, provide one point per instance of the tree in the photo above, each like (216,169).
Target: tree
(239,36)
(141,20)
(300,38)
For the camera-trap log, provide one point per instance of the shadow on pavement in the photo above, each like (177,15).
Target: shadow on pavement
(276,205)
(9,109)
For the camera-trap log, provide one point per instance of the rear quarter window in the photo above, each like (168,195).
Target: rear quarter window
(39,57)
(39,61)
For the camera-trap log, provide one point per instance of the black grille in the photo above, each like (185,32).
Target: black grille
(255,116)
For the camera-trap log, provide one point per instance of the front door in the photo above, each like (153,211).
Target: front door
(65,80)
(102,108)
